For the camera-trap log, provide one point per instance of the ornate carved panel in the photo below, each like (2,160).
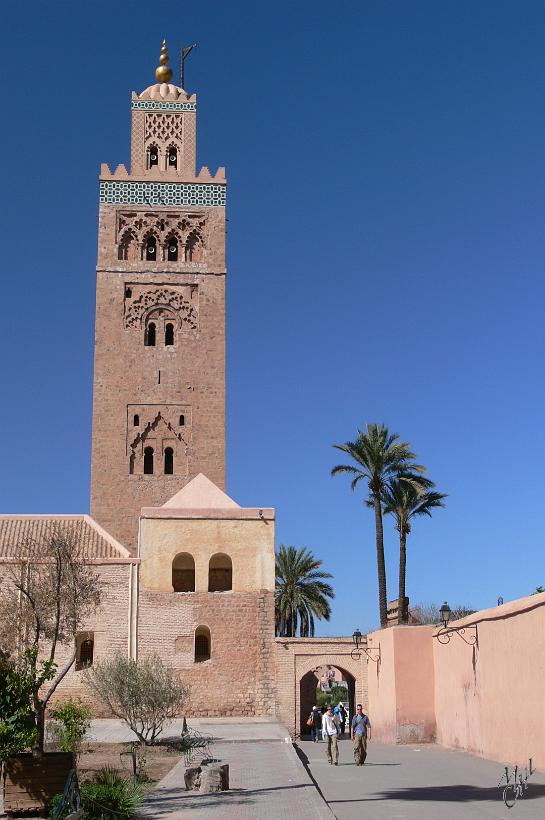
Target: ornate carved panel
(164,126)
(182,300)
(159,427)
(140,224)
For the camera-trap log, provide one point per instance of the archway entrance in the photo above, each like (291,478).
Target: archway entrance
(322,685)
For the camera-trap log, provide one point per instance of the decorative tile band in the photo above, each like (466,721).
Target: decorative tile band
(156,105)
(162,193)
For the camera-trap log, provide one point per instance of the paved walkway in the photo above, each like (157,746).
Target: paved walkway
(415,782)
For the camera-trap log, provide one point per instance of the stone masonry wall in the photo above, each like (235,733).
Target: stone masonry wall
(239,678)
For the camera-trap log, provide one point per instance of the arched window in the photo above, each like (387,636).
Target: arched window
(172,249)
(85,650)
(127,247)
(149,338)
(172,157)
(169,461)
(202,644)
(148,461)
(153,156)
(193,247)
(151,249)
(183,573)
(220,573)
(136,420)
(169,333)
(181,421)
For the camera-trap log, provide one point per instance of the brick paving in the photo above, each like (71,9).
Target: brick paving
(415,782)
(267,781)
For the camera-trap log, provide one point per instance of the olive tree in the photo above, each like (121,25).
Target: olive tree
(47,593)
(145,694)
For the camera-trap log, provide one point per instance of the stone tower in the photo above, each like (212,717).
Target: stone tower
(159,380)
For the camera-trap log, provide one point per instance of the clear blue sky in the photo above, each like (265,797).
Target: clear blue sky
(386,168)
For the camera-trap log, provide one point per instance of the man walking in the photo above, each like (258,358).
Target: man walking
(331,728)
(361,730)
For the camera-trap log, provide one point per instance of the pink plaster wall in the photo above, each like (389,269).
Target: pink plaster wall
(381,686)
(401,686)
(490,698)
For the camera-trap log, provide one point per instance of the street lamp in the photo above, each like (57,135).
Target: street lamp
(444,634)
(445,614)
(357,637)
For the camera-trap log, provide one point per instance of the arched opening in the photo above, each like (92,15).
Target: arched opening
(85,650)
(172,157)
(193,247)
(136,420)
(183,573)
(127,248)
(169,333)
(151,249)
(220,573)
(148,461)
(323,685)
(172,249)
(169,461)
(149,337)
(153,156)
(181,421)
(202,644)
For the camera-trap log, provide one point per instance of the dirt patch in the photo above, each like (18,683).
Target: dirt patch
(159,760)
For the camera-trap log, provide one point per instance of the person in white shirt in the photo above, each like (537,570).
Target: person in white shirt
(331,728)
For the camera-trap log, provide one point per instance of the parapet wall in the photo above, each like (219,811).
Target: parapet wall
(484,694)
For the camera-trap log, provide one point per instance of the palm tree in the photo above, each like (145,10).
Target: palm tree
(405,501)
(301,593)
(379,459)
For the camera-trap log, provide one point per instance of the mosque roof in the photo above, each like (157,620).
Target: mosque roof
(200,494)
(96,543)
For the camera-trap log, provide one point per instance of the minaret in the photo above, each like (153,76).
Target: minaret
(159,381)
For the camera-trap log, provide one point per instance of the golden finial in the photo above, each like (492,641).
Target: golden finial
(163,72)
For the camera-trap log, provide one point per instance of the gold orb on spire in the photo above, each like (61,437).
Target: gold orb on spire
(163,72)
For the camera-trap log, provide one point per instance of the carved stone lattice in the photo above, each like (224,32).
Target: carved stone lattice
(139,224)
(151,426)
(139,305)
(163,127)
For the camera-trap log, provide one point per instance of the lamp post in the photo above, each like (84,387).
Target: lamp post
(357,637)
(443,635)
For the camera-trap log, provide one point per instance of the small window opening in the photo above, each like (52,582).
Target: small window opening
(153,157)
(220,573)
(172,250)
(148,461)
(172,158)
(181,421)
(149,339)
(84,657)
(128,292)
(183,573)
(151,249)
(169,334)
(202,644)
(169,461)
(136,420)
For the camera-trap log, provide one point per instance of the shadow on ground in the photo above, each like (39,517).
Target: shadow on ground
(461,793)
(162,803)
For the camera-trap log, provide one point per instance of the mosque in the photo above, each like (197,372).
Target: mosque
(187,573)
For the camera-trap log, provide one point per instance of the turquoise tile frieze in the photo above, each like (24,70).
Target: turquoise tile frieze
(162,193)
(156,105)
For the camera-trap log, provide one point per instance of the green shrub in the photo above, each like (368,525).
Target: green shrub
(74,718)
(108,797)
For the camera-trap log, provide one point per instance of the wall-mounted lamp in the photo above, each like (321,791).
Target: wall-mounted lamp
(356,653)
(443,636)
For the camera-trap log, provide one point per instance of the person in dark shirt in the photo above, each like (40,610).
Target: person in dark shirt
(361,732)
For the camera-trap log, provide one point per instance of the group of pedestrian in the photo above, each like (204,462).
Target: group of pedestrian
(332,723)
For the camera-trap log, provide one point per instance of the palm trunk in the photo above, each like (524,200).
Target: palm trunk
(403,615)
(381,566)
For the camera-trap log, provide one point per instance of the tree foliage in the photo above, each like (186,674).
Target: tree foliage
(378,460)
(144,694)
(19,678)
(73,718)
(404,501)
(301,592)
(46,597)
(422,613)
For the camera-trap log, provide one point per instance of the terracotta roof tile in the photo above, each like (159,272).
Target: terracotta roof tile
(15,530)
